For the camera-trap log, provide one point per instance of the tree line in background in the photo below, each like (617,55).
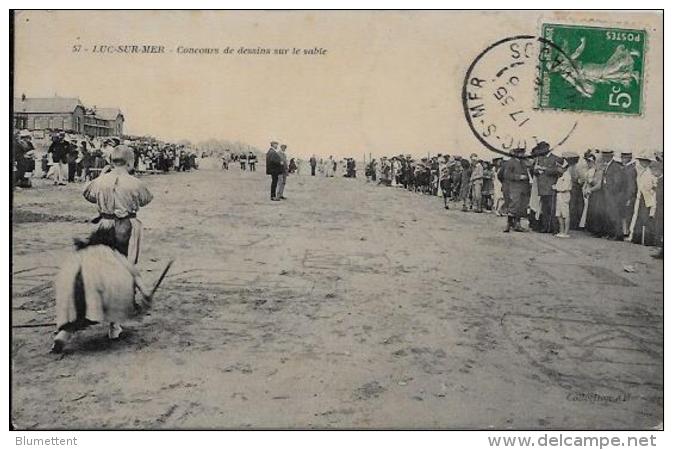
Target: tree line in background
(218,146)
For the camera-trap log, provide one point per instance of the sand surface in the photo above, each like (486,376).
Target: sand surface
(347,306)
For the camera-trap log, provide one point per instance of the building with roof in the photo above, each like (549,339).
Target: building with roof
(55,113)
(112,118)
(68,114)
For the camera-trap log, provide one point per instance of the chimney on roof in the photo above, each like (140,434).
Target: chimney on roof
(23,97)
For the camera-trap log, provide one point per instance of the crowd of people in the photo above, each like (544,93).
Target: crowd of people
(617,198)
(620,198)
(330,167)
(68,158)
(249,159)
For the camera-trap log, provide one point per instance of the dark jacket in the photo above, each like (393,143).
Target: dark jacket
(614,181)
(630,182)
(59,151)
(514,175)
(274,165)
(547,178)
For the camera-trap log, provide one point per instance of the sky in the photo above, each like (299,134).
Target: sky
(389,83)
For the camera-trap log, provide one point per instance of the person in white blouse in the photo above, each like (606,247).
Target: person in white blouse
(641,230)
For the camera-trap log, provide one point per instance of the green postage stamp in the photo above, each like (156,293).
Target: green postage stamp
(596,69)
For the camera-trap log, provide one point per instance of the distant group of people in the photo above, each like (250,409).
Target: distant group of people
(164,158)
(620,199)
(243,158)
(329,167)
(74,158)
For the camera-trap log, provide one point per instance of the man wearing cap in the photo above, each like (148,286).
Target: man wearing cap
(577,177)
(119,196)
(24,154)
(642,226)
(614,186)
(252,161)
(445,179)
(476,183)
(274,167)
(498,195)
(605,203)
(59,153)
(516,188)
(630,190)
(282,179)
(108,146)
(313,162)
(563,186)
(547,172)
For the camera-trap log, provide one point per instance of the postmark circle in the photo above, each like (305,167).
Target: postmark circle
(500,91)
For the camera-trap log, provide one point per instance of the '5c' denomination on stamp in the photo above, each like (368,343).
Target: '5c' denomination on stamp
(601,69)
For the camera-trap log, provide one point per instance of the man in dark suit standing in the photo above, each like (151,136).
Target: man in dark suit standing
(614,197)
(282,180)
(59,152)
(274,168)
(516,187)
(313,163)
(547,171)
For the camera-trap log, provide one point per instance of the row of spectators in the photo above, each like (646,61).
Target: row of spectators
(66,158)
(617,197)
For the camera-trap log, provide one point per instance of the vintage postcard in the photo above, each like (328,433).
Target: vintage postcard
(337,220)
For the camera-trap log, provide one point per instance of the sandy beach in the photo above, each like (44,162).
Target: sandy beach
(349,305)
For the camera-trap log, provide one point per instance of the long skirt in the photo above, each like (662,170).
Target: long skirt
(642,225)
(517,197)
(576,206)
(596,221)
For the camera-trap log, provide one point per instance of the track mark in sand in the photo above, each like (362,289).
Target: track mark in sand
(584,273)
(33,246)
(588,355)
(369,390)
(37,279)
(256,241)
(226,279)
(51,270)
(430,361)
(337,411)
(34,290)
(377,263)
(552,245)
(166,415)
